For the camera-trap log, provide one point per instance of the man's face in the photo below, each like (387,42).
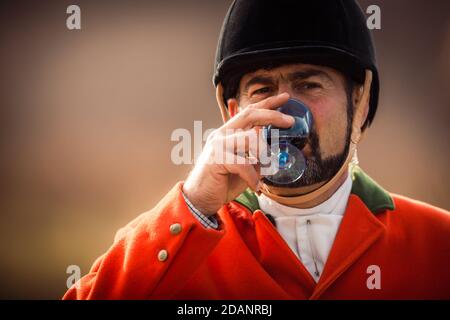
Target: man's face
(325,92)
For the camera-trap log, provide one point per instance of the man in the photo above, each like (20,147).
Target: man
(229,233)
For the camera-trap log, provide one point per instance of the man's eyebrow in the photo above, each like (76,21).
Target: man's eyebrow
(258,80)
(295,76)
(305,74)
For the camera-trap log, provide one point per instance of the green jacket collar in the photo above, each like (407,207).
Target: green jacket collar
(371,193)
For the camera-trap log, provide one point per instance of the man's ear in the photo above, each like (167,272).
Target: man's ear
(361,100)
(233,107)
(357,103)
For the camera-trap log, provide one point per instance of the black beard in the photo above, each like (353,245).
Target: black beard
(317,169)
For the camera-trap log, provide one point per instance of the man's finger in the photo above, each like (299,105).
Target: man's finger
(272,102)
(246,172)
(241,119)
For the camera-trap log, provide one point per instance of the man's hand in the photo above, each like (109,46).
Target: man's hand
(213,183)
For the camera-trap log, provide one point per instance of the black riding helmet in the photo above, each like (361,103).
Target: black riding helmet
(268,33)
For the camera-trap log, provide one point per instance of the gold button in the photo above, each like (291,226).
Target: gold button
(162,255)
(175,228)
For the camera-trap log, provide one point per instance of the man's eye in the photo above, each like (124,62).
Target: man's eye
(263,90)
(309,86)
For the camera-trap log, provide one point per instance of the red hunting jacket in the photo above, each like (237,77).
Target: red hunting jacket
(407,241)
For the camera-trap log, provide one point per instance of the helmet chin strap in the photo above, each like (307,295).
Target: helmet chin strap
(358,120)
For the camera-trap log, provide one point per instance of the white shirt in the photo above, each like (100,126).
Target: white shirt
(310,232)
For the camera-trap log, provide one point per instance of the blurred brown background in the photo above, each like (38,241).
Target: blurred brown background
(86,118)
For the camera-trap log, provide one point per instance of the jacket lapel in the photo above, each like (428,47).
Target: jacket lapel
(280,262)
(358,231)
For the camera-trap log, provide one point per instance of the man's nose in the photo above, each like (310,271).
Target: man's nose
(284,87)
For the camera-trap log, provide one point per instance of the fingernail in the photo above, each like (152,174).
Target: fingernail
(288,118)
